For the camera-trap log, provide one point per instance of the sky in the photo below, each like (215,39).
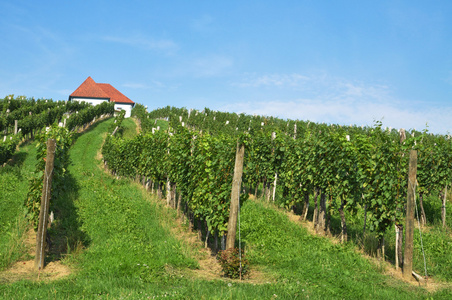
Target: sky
(334,62)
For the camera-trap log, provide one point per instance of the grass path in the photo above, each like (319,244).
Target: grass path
(119,245)
(13,190)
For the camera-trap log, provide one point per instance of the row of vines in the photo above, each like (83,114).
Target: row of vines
(63,137)
(44,119)
(341,169)
(199,167)
(32,116)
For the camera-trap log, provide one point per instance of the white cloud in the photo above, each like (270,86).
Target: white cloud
(349,113)
(322,98)
(144,42)
(279,80)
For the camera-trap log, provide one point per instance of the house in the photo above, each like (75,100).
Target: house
(96,93)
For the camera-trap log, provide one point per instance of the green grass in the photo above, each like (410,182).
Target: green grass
(310,263)
(437,241)
(130,128)
(14,186)
(113,237)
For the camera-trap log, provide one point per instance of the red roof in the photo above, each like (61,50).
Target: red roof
(90,89)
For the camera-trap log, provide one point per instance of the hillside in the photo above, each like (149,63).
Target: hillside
(120,242)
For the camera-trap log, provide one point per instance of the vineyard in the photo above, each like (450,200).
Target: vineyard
(22,118)
(350,181)
(339,170)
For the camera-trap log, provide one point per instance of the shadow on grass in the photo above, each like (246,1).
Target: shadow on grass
(65,234)
(15,163)
(19,158)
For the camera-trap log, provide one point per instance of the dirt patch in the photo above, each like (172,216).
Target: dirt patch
(25,270)
(137,122)
(99,156)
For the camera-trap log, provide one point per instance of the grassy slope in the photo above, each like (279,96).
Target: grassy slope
(13,191)
(121,250)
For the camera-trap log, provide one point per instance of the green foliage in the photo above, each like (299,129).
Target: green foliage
(233,263)
(34,115)
(355,167)
(87,114)
(8,147)
(128,254)
(201,166)
(118,122)
(63,139)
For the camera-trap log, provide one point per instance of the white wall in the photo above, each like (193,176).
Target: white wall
(89,100)
(126,107)
(119,106)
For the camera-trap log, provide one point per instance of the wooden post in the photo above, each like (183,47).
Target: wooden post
(168,191)
(276,174)
(173,195)
(114,131)
(398,226)
(315,218)
(15,126)
(304,214)
(321,222)
(45,202)
(235,194)
(274,187)
(443,207)
(409,231)
(398,248)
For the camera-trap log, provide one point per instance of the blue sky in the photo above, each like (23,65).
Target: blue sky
(346,62)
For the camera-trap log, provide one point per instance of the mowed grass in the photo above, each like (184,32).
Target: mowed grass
(118,248)
(13,190)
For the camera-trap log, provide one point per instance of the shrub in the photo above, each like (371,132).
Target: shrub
(230,263)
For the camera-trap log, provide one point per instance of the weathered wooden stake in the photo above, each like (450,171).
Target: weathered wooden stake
(321,222)
(274,187)
(304,214)
(168,191)
(45,202)
(179,203)
(398,245)
(443,207)
(235,194)
(315,218)
(114,131)
(409,231)
(276,174)
(399,226)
